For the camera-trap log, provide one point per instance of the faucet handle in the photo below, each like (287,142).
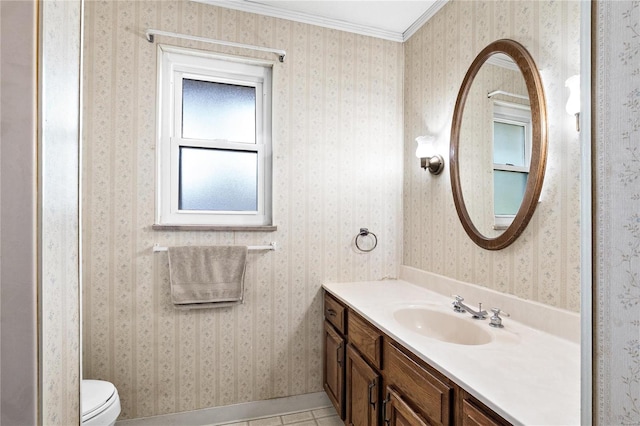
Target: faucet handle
(498,311)
(495,320)
(456,303)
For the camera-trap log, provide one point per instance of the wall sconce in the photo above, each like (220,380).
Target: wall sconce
(573,103)
(428,159)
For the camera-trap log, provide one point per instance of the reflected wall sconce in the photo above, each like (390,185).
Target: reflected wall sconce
(573,103)
(429,160)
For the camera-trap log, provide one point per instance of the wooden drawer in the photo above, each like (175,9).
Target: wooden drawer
(472,415)
(431,395)
(334,312)
(366,338)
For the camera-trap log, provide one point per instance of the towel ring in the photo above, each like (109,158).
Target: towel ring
(364,232)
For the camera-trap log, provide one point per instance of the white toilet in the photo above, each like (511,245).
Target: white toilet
(100,403)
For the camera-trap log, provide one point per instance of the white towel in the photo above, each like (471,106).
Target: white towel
(207,276)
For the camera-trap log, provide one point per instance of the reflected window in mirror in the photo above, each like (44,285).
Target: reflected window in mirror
(511,159)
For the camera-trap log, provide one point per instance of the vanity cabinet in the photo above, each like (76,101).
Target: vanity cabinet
(382,383)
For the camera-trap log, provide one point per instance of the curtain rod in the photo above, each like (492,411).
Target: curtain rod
(502,92)
(150,33)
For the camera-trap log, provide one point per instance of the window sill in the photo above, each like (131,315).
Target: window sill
(223,228)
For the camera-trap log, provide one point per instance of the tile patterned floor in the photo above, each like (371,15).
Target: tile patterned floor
(320,417)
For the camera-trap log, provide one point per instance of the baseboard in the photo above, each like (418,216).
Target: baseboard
(236,412)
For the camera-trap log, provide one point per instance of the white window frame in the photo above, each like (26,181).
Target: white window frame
(175,64)
(520,115)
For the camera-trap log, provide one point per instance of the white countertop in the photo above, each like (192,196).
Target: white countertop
(527,376)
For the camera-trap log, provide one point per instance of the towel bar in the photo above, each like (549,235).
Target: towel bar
(271,246)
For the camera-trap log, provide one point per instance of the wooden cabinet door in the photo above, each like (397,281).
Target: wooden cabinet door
(398,413)
(363,391)
(333,371)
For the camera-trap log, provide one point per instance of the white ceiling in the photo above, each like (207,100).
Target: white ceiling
(393,20)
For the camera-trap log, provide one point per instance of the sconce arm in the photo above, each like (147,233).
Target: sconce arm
(434,164)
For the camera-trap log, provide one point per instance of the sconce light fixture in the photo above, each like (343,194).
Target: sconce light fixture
(573,103)
(428,159)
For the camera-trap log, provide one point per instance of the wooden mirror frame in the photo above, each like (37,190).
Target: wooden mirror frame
(527,66)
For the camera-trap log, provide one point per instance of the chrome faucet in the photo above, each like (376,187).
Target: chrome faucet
(460,307)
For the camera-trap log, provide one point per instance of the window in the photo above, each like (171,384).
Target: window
(214,140)
(511,159)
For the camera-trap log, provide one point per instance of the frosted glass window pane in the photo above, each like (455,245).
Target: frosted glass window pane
(218,111)
(218,180)
(508,144)
(508,190)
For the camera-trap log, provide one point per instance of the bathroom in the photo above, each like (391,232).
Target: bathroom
(338,162)
(344,130)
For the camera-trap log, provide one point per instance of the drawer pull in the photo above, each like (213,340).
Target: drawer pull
(385,401)
(331,312)
(371,401)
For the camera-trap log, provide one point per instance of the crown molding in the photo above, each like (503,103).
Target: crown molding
(502,60)
(428,14)
(275,12)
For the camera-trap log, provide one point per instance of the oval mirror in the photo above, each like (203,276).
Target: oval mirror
(498,144)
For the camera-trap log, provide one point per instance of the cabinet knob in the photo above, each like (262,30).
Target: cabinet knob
(331,312)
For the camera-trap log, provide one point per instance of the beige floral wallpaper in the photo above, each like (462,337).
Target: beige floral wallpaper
(59,294)
(337,167)
(616,126)
(544,263)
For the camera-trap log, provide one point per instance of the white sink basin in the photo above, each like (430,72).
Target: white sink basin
(443,326)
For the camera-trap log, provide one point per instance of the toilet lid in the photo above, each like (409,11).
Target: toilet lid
(94,396)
